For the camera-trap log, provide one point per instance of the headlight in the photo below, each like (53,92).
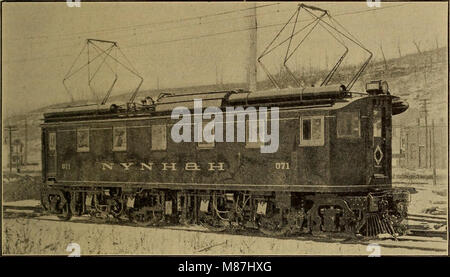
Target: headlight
(377,87)
(373,87)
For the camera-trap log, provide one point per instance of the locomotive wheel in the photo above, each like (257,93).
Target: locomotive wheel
(44,200)
(273,225)
(65,214)
(76,205)
(216,220)
(213,223)
(146,217)
(116,207)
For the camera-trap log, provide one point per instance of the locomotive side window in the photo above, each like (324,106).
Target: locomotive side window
(119,138)
(377,123)
(52,141)
(348,125)
(312,131)
(159,137)
(83,140)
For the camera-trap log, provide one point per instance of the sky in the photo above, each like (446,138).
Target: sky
(185,44)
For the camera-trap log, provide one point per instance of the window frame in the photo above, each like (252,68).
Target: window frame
(340,136)
(163,127)
(86,148)
(125,146)
(312,142)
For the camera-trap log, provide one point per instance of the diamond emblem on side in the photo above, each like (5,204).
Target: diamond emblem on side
(378,155)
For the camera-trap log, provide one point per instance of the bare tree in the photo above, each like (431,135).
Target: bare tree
(431,62)
(221,76)
(217,74)
(417,44)
(424,59)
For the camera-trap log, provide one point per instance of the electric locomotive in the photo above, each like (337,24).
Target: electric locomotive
(330,174)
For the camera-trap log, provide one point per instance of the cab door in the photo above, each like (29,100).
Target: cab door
(380,144)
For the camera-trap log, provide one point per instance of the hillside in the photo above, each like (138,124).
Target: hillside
(413,77)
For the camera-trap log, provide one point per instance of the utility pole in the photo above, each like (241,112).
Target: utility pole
(418,142)
(25,151)
(425,111)
(407,147)
(10,128)
(253,38)
(310,67)
(434,153)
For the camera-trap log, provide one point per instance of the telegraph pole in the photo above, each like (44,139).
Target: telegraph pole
(25,152)
(418,141)
(427,144)
(221,76)
(434,153)
(10,129)
(252,70)
(217,77)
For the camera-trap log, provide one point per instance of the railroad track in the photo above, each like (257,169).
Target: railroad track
(423,227)
(419,230)
(415,240)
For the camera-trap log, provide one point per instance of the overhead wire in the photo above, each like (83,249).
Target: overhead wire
(212,34)
(180,20)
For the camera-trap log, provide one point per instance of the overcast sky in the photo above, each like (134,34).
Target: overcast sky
(41,41)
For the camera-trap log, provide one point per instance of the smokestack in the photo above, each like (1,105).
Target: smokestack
(252,71)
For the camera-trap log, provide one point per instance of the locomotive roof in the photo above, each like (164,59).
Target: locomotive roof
(327,97)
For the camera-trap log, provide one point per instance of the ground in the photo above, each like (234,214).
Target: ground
(47,235)
(21,186)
